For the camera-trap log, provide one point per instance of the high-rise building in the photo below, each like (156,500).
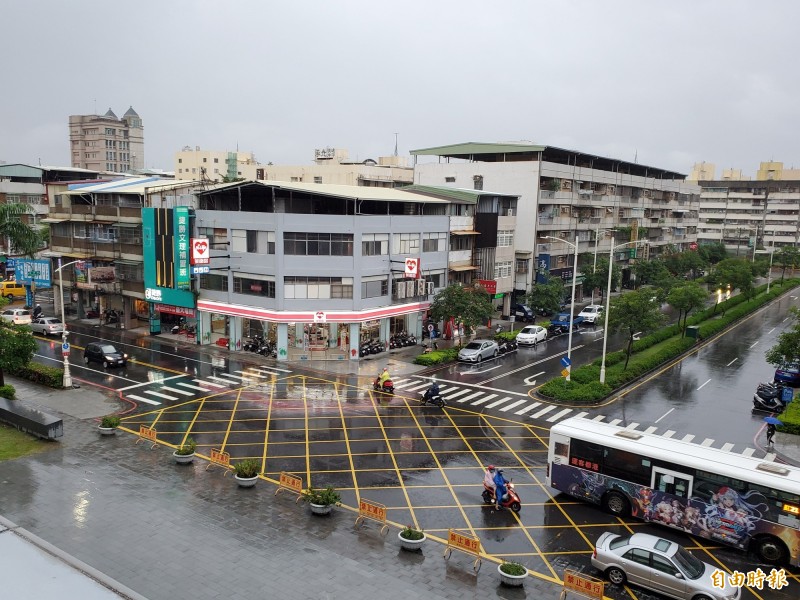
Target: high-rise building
(107,143)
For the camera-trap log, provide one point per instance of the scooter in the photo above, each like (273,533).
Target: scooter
(432,396)
(388,386)
(770,405)
(511,500)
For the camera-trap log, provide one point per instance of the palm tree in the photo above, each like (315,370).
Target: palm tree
(23,239)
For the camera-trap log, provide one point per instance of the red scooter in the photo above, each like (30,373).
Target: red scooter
(512,499)
(387,387)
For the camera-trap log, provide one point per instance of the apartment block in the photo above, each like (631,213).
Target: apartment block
(106,143)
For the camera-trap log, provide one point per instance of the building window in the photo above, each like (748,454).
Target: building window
(460,242)
(505,238)
(129,272)
(523,264)
(205,159)
(129,235)
(317,179)
(317,287)
(477,182)
(502,269)
(217,283)
(437,278)
(215,235)
(374,287)
(216,160)
(317,244)
(434,242)
(375,244)
(253,287)
(450,179)
(405,243)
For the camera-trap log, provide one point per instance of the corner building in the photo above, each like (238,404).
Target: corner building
(316,268)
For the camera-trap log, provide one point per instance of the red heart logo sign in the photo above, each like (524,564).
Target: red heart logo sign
(200,247)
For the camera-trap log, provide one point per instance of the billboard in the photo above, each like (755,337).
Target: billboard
(33,271)
(165,238)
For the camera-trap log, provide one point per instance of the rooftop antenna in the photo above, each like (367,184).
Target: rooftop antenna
(395,144)
(95,106)
(636,156)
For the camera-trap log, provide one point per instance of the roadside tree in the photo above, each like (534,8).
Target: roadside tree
(468,305)
(24,240)
(685,298)
(787,256)
(599,278)
(734,272)
(787,350)
(546,296)
(713,253)
(634,312)
(17,346)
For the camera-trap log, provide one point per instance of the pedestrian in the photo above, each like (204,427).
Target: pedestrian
(770,433)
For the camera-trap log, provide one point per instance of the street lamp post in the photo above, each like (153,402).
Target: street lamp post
(608,301)
(594,265)
(67,377)
(572,303)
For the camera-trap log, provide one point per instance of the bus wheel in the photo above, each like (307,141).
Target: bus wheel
(617,504)
(770,549)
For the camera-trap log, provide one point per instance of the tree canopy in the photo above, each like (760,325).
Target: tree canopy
(546,296)
(17,346)
(467,305)
(24,239)
(734,272)
(632,313)
(787,350)
(786,256)
(686,298)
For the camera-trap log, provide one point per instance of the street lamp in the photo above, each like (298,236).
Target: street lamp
(67,377)
(597,233)
(608,300)
(572,304)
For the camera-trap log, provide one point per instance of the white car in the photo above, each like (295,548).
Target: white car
(591,313)
(47,326)
(531,335)
(17,316)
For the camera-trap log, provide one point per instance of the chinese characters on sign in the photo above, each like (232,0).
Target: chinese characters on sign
(147,433)
(220,458)
(463,541)
(182,281)
(776,579)
(200,254)
(372,510)
(583,584)
(290,482)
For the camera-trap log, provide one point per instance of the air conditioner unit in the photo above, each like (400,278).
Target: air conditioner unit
(429,284)
(510,212)
(421,287)
(400,289)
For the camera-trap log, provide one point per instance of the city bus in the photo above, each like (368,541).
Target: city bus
(731,498)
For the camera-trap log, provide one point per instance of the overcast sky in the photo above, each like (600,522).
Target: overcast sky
(672,83)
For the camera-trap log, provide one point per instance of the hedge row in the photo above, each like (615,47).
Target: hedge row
(7,391)
(791,418)
(437,357)
(49,376)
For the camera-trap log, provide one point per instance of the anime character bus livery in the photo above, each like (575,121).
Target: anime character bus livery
(731,498)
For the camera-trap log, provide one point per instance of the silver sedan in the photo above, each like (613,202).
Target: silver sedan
(47,326)
(477,350)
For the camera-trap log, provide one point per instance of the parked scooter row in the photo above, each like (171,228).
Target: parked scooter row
(769,398)
(261,346)
(368,347)
(401,340)
(506,346)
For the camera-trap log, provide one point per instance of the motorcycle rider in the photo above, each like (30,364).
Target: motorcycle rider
(383,377)
(431,392)
(499,488)
(488,478)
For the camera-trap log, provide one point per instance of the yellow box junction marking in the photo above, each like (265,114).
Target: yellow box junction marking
(290,483)
(149,434)
(465,542)
(218,457)
(591,587)
(373,511)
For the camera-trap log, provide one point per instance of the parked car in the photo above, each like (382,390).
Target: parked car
(11,290)
(17,316)
(592,313)
(104,353)
(788,374)
(659,565)
(531,334)
(523,312)
(477,350)
(47,326)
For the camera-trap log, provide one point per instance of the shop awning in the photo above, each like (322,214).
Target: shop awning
(125,261)
(523,252)
(463,268)
(465,232)
(127,225)
(49,220)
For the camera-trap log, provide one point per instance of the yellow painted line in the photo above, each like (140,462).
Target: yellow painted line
(308,441)
(230,422)
(721,564)
(347,444)
(266,427)
(191,425)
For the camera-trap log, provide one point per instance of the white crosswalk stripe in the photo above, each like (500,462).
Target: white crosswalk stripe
(707,442)
(650,429)
(512,405)
(580,415)
(558,415)
(475,395)
(405,384)
(727,447)
(160,395)
(688,437)
(615,422)
(748,451)
(599,418)
(528,408)
(193,387)
(498,402)
(215,378)
(252,374)
(231,376)
(177,391)
(457,394)
(668,434)
(145,400)
(419,387)
(542,412)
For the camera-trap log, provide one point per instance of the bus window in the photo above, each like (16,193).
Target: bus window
(672,483)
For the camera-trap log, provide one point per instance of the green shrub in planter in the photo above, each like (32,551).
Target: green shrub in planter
(186,449)
(506,336)
(321,497)
(513,568)
(247,468)
(791,418)
(412,534)
(110,422)
(7,392)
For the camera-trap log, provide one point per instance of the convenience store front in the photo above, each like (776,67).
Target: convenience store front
(311,335)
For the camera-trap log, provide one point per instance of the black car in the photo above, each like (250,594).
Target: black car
(105,353)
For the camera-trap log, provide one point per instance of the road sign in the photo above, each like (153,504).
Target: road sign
(65,349)
(201,270)
(565,361)
(564,372)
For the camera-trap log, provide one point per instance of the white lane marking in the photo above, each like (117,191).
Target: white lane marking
(193,387)
(599,418)
(160,395)
(471,372)
(498,402)
(419,387)
(130,387)
(232,376)
(668,434)
(558,415)
(528,408)
(704,385)
(543,412)
(527,380)
(688,437)
(251,374)
(650,429)
(540,361)
(406,383)
(474,385)
(632,426)
(580,415)
(786,319)
(733,361)
(216,385)
(770,331)
(616,422)
(457,394)
(145,400)
(727,447)
(754,343)
(488,397)
(396,381)
(665,414)
(475,395)
(512,405)
(177,391)
(707,442)
(80,366)
(748,451)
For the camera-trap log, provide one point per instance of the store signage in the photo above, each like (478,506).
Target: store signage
(205,270)
(152,294)
(320,317)
(412,268)
(490,285)
(175,310)
(165,241)
(182,281)
(200,251)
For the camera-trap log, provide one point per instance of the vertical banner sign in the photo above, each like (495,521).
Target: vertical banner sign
(182,281)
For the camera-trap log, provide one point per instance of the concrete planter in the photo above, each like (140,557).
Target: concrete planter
(183,459)
(411,545)
(320,509)
(246,482)
(511,580)
(107,430)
